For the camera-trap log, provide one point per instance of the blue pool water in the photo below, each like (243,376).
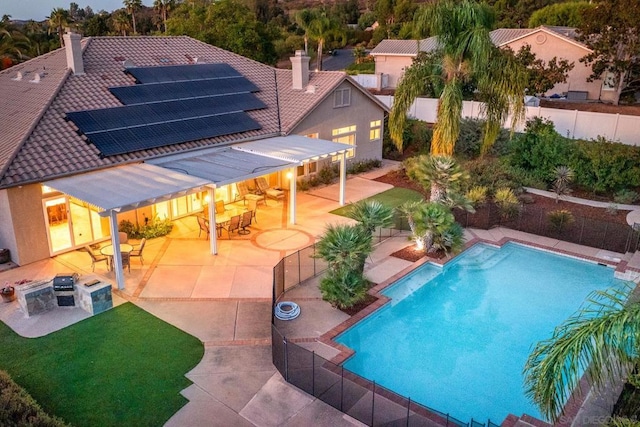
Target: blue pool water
(456,338)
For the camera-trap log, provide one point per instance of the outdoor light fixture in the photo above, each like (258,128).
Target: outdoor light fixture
(289,175)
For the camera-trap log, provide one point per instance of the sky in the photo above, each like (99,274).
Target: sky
(38,10)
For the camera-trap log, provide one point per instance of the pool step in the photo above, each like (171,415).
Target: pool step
(483,257)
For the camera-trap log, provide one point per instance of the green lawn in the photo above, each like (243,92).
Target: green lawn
(392,198)
(123,367)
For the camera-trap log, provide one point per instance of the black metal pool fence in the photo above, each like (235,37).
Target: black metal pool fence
(608,235)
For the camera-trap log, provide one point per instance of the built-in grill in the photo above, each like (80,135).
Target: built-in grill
(64,289)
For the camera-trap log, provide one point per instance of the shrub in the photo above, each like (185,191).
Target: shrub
(20,409)
(495,173)
(625,196)
(470,139)
(477,195)
(560,218)
(154,228)
(563,176)
(343,289)
(507,202)
(606,166)
(363,166)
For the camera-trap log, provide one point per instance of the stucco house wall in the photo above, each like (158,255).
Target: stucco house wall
(393,66)
(361,112)
(546,46)
(26,224)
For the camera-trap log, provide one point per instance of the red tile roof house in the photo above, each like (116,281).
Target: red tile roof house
(52,166)
(392,57)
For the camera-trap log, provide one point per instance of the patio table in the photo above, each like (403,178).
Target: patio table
(125,248)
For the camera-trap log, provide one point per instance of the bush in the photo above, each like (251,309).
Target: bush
(560,218)
(416,134)
(151,229)
(343,289)
(20,409)
(625,197)
(507,202)
(363,166)
(470,140)
(477,195)
(495,173)
(606,166)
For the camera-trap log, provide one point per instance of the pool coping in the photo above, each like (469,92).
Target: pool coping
(578,395)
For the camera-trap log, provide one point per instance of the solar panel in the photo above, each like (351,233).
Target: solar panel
(145,93)
(178,73)
(140,114)
(126,140)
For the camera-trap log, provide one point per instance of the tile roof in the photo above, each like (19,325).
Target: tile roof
(499,37)
(37,143)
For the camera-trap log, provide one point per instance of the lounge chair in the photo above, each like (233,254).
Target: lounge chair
(244,193)
(138,252)
(273,193)
(96,258)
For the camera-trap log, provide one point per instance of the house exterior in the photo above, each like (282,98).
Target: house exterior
(46,148)
(392,57)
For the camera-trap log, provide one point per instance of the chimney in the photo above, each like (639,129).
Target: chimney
(74,52)
(300,70)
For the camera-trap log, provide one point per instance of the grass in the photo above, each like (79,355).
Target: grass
(121,367)
(393,197)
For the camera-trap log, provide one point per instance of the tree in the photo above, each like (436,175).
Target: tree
(131,6)
(440,173)
(542,76)
(568,14)
(600,340)
(320,28)
(371,214)
(464,52)
(516,13)
(120,22)
(13,44)
(303,20)
(612,30)
(58,20)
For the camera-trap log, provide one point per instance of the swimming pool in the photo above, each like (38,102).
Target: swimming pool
(456,338)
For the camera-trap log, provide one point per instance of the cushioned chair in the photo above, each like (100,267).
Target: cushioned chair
(124,237)
(252,206)
(96,258)
(272,193)
(244,193)
(137,252)
(220,207)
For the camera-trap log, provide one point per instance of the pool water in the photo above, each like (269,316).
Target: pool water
(456,338)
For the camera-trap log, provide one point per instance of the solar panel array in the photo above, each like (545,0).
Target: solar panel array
(172,105)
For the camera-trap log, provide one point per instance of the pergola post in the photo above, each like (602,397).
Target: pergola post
(292,195)
(343,176)
(213,231)
(116,260)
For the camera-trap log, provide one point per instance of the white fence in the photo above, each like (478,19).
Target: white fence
(571,123)
(373,81)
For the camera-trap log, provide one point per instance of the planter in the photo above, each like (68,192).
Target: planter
(5,256)
(8,293)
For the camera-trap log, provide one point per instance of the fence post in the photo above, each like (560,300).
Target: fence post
(604,238)
(341,388)
(581,231)
(408,411)
(373,403)
(299,270)
(314,260)
(286,359)
(313,373)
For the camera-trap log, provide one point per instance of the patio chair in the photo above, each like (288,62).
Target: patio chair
(124,237)
(244,194)
(220,207)
(95,258)
(233,224)
(252,206)
(126,261)
(273,193)
(138,252)
(203,226)
(246,222)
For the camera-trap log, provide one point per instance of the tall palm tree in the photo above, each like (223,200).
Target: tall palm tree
(120,22)
(303,19)
(58,20)
(131,7)
(464,53)
(321,27)
(600,340)
(163,7)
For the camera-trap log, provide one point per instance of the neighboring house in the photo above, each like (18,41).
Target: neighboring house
(392,57)
(113,128)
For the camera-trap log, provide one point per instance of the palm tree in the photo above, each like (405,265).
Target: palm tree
(321,27)
(163,7)
(131,7)
(464,53)
(120,22)
(371,214)
(442,173)
(58,20)
(601,341)
(13,44)
(303,19)
(431,220)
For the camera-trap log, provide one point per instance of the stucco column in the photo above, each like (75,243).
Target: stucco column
(343,176)
(292,194)
(116,260)
(213,231)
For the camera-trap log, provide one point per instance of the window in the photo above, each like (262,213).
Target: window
(342,98)
(345,135)
(374,132)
